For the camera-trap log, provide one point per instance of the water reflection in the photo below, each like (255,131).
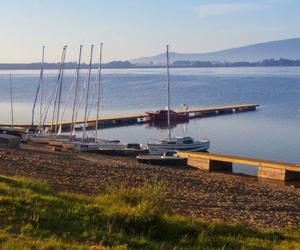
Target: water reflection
(163,125)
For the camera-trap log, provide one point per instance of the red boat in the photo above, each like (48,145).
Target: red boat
(162,116)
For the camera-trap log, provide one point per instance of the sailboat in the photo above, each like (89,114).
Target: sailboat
(173,144)
(34,134)
(71,141)
(11,101)
(86,145)
(99,144)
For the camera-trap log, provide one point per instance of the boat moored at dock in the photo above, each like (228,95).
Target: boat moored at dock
(173,144)
(161,116)
(178,144)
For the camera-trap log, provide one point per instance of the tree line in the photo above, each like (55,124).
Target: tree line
(176,64)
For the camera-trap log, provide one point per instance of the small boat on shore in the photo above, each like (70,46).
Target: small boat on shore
(94,146)
(43,138)
(58,142)
(131,149)
(166,159)
(70,145)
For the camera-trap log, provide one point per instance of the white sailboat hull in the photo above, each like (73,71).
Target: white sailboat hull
(43,138)
(163,147)
(94,147)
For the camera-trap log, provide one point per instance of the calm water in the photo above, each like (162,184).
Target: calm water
(272,133)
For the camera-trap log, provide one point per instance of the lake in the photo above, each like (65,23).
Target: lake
(272,132)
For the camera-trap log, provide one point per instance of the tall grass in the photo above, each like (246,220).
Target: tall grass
(32,216)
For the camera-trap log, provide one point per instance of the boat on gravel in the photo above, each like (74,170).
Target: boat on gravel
(166,159)
(43,138)
(94,146)
(130,149)
(57,142)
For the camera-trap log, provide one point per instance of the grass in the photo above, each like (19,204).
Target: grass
(32,216)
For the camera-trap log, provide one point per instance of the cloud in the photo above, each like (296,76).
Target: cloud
(207,10)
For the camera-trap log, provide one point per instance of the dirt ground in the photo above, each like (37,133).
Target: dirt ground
(215,197)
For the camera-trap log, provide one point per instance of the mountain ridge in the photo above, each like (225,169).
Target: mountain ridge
(286,48)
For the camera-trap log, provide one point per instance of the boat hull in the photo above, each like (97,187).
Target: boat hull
(87,147)
(57,142)
(162,161)
(123,152)
(94,147)
(161,116)
(163,148)
(43,138)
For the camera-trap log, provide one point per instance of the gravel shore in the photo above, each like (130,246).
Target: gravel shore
(217,197)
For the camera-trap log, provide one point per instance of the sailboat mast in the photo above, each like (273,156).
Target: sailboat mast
(76,90)
(38,88)
(98,91)
(87,93)
(11,100)
(56,89)
(168,82)
(41,83)
(60,89)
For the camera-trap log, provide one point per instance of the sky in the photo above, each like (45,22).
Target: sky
(135,28)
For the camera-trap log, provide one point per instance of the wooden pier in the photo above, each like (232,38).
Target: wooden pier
(131,119)
(266,169)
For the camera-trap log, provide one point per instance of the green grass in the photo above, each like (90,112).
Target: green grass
(32,216)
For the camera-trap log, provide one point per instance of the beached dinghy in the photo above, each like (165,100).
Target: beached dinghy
(58,142)
(167,159)
(131,149)
(94,146)
(72,144)
(43,138)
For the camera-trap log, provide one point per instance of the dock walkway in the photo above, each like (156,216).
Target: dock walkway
(130,119)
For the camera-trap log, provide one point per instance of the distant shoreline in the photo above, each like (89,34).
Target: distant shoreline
(176,64)
(147,67)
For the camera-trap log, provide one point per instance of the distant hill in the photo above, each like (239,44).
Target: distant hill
(288,49)
(276,53)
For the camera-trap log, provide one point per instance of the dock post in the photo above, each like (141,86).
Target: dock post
(202,164)
(277,174)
